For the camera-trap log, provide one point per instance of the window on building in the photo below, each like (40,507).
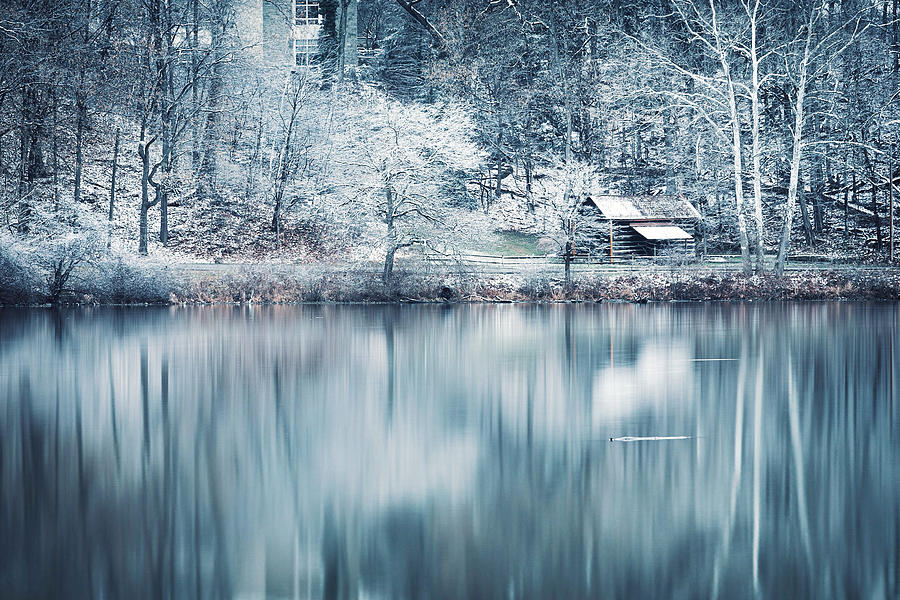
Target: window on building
(306,12)
(305,52)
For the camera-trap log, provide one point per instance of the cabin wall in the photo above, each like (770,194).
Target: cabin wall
(628,243)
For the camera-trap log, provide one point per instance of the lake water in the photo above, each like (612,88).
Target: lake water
(451,452)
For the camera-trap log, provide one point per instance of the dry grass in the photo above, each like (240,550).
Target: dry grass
(363,287)
(124,282)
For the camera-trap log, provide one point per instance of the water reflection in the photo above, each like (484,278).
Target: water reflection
(448,452)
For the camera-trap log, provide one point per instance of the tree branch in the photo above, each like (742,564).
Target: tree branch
(410,7)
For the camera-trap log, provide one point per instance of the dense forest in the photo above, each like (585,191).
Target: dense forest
(151,127)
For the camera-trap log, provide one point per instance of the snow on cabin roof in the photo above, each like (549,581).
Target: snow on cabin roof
(644,207)
(661,231)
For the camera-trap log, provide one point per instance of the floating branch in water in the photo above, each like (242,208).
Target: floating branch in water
(713,359)
(655,438)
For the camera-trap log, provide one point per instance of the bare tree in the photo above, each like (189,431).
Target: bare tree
(756,56)
(286,160)
(575,220)
(819,49)
(717,96)
(405,167)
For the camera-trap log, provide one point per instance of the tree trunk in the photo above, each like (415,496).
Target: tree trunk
(738,166)
(209,165)
(341,38)
(55,151)
(253,162)
(804,213)
(22,207)
(437,38)
(739,185)
(81,106)
(669,138)
(152,59)
(285,163)
(895,37)
(276,214)
(847,207)
(388,271)
(165,76)
(112,191)
(144,153)
(498,181)
(529,191)
(195,102)
(875,219)
(891,201)
(757,171)
(818,190)
(734,115)
(80,114)
(796,157)
(112,179)
(162,191)
(31,165)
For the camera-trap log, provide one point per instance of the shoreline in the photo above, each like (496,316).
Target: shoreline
(263,285)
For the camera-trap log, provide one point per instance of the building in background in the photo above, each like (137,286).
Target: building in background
(286,34)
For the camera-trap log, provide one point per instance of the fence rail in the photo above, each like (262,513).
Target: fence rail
(711,262)
(551,266)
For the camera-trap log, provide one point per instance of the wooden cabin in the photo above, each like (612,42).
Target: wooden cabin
(629,226)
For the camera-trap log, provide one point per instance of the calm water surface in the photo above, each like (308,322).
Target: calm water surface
(450,452)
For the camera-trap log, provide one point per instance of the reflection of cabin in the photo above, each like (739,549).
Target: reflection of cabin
(625,226)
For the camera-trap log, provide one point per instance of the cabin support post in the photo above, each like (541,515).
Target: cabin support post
(610,241)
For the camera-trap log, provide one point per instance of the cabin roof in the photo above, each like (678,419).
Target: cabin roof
(660,231)
(643,207)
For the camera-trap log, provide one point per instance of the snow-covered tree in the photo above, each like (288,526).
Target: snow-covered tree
(400,173)
(572,224)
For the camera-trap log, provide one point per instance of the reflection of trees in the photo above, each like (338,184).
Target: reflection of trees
(557,513)
(405,450)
